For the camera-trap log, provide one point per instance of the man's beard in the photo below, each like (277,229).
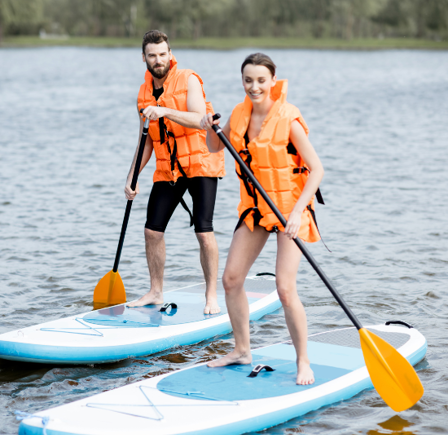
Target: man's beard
(160,73)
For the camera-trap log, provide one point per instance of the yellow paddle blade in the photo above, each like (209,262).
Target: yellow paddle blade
(109,291)
(392,375)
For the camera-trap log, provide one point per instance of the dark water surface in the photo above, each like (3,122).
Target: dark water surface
(68,131)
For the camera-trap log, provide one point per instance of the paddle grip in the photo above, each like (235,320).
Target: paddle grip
(283,221)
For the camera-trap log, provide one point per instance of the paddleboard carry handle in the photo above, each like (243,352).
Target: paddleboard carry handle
(398,322)
(165,306)
(258,368)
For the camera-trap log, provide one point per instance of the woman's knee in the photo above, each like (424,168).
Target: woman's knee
(232,282)
(287,293)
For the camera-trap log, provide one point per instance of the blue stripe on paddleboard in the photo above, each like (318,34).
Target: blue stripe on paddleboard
(91,355)
(347,358)
(268,419)
(190,308)
(232,383)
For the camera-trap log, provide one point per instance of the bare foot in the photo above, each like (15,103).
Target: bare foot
(151,298)
(211,306)
(232,358)
(305,375)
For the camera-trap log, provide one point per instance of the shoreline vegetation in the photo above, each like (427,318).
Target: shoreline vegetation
(231,43)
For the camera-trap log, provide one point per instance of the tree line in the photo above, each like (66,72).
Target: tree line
(192,19)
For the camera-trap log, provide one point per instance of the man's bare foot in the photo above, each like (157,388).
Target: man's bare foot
(151,298)
(232,358)
(211,306)
(305,375)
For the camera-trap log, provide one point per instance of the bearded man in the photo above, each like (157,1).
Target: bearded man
(174,101)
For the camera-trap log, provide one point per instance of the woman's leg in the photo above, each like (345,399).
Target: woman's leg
(244,250)
(288,260)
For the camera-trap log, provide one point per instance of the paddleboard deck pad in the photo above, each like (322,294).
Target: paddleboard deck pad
(116,333)
(225,400)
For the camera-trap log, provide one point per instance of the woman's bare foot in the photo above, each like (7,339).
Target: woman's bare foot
(232,358)
(211,306)
(151,298)
(305,376)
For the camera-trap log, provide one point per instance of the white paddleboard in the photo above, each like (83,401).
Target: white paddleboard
(116,333)
(202,400)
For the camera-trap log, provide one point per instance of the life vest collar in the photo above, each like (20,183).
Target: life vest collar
(149,79)
(278,95)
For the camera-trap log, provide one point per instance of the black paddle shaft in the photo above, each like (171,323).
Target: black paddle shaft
(281,218)
(138,162)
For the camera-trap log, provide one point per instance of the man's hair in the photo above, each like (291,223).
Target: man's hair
(154,37)
(259,59)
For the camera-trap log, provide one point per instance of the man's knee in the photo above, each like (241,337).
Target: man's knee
(206,240)
(153,236)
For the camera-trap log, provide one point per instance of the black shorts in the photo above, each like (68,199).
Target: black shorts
(164,199)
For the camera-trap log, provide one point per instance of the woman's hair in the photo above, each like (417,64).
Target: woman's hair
(259,59)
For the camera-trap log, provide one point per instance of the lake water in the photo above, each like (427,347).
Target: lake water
(68,131)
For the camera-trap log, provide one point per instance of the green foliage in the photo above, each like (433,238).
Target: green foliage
(20,16)
(194,19)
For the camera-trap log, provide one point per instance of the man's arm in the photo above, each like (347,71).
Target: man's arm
(147,152)
(195,106)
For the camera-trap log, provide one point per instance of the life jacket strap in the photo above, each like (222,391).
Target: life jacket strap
(257,216)
(173,159)
(303,169)
(313,215)
(185,206)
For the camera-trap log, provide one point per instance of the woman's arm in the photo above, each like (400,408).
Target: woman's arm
(214,144)
(303,146)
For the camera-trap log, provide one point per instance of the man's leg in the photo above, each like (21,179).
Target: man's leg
(162,202)
(288,260)
(155,256)
(209,261)
(203,191)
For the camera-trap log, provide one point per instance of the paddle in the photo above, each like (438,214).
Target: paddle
(392,375)
(110,289)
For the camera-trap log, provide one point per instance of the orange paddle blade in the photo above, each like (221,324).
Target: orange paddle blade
(109,291)
(392,375)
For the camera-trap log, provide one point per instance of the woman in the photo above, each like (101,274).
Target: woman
(271,136)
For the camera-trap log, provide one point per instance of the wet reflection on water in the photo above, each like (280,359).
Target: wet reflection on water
(68,133)
(395,425)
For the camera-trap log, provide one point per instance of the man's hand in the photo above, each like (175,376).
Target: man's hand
(153,113)
(131,194)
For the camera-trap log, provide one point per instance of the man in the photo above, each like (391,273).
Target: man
(174,101)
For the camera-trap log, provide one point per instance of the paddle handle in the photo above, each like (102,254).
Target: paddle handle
(127,213)
(283,221)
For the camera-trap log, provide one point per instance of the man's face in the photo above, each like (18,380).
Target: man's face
(157,58)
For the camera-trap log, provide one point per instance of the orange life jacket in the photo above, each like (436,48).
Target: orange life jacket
(275,163)
(182,151)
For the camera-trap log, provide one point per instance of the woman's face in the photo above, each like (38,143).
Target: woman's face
(257,82)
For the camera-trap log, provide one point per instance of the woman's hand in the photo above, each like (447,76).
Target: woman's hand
(207,122)
(129,193)
(293,225)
